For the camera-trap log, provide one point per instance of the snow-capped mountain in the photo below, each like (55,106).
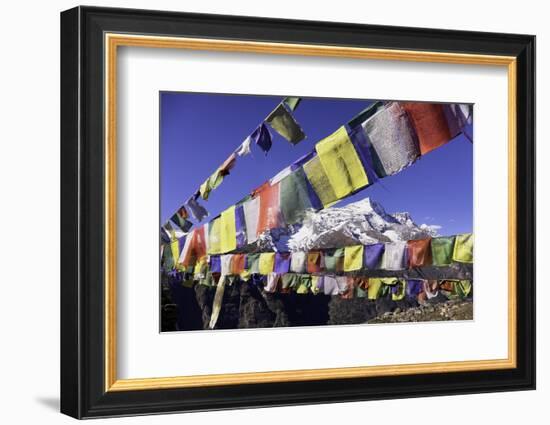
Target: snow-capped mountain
(363,222)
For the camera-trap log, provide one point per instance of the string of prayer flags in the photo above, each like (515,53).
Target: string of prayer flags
(341,163)
(463,249)
(282,121)
(396,256)
(393,139)
(442,250)
(197,210)
(291,102)
(419,252)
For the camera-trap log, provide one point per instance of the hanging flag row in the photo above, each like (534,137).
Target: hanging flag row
(392,256)
(345,286)
(280,120)
(380,141)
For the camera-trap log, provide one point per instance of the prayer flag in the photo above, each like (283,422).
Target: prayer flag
(334,260)
(198,211)
(393,140)
(442,250)
(429,122)
(341,163)
(464,248)
(269,211)
(215,264)
(282,262)
(373,255)
(298,261)
(244,148)
(251,209)
(184,224)
(253,263)
(419,252)
(375,285)
(320,182)
(237,264)
(353,258)
(214,236)
(282,121)
(228,230)
(266,262)
(240,226)
(294,197)
(262,137)
(395,256)
(314,261)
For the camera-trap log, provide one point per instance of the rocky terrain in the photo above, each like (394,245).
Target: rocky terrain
(441,311)
(247,306)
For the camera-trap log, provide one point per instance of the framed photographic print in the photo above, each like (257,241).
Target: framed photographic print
(261,212)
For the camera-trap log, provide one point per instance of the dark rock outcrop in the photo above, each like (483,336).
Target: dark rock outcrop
(247,306)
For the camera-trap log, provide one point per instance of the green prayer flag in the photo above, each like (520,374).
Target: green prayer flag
(294,199)
(442,250)
(334,260)
(282,121)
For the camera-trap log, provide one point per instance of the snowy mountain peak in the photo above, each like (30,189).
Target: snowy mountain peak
(363,222)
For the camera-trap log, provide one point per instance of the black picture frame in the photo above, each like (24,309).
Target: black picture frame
(83,392)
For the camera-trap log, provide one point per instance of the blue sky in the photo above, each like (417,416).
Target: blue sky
(199,131)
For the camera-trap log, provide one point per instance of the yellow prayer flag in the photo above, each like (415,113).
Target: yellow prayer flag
(341,163)
(175,248)
(228,230)
(267,260)
(375,284)
(214,237)
(319,180)
(353,258)
(464,248)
